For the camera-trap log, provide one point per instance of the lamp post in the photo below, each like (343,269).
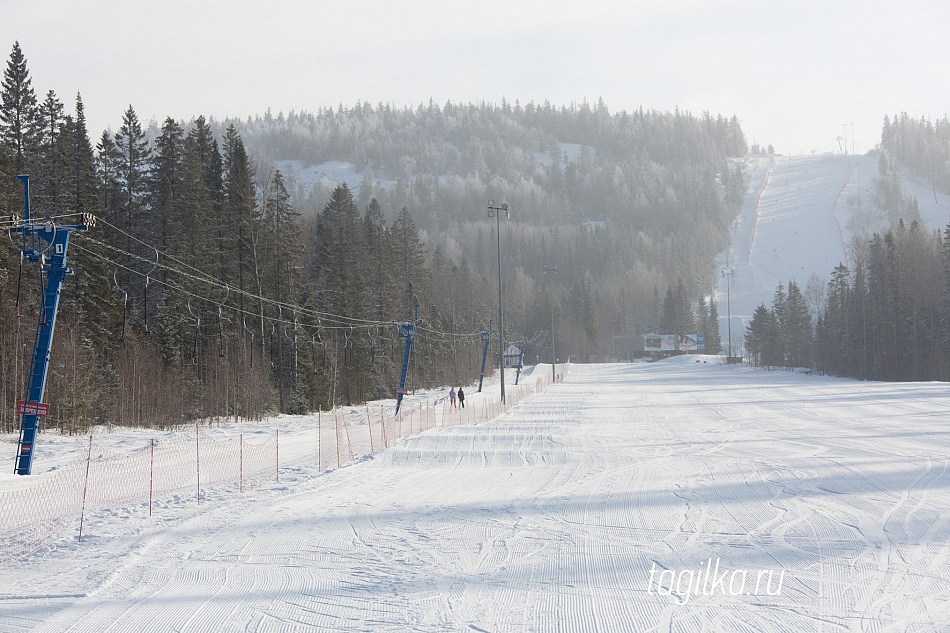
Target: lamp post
(495,211)
(552,270)
(727,273)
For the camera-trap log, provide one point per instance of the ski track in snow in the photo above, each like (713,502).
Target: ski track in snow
(550,518)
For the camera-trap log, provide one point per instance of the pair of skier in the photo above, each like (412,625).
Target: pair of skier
(460,395)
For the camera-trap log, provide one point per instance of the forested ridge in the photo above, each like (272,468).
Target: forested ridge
(215,285)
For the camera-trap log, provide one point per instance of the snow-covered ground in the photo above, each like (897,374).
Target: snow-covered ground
(573,512)
(799,218)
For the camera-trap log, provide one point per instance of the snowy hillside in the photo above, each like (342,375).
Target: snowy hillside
(682,495)
(799,219)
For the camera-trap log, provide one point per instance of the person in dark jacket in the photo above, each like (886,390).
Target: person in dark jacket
(461,397)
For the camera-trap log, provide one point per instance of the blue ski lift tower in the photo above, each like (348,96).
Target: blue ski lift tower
(406,331)
(42,242)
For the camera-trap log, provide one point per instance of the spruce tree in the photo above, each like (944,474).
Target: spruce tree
(338,267)
(412,277)
(763,338)
(834,333)
(133,152)
(165,228)
(108,207)
(195,212)
(18,111)
(81,163)
(381,296)
(108,166)
(702,310)
(166,180)
(209,158)
(857,347)
(49,165)
(380,270)
(91,291)
(798,327)
(686,320)
(779,309)
(239,207)
(756,334)
(670,321)
(282,278)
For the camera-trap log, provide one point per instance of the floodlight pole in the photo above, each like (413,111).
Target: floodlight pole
(495,211)
(552,270)
(728,273)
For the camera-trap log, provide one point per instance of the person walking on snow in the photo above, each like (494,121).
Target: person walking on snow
(452,396)
(461,395)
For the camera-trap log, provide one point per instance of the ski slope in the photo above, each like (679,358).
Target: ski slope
(800,218)
(551,518)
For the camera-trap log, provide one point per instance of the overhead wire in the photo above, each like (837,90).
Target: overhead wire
(326,320)
(342,321)
(336,322)
(204,277)
(536,336)
(195,295)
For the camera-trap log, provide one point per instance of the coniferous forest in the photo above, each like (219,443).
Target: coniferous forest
(214,285)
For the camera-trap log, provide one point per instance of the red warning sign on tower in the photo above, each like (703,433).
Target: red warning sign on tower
(32,408)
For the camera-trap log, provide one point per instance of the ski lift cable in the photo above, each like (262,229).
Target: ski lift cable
(172,258)
(202,277)
(208,279)
(125,299)
(221,322)
(151,270)
(344,321)
(219,284)
(14,222)
(450,335)
(247,329)
(195,295)
(19,278)
(194,352)
(41,257)
(273,327)
(17,222)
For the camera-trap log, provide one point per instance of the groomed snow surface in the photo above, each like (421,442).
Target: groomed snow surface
(645,497)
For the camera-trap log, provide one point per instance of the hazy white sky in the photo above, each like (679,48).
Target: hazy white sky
(794,72)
